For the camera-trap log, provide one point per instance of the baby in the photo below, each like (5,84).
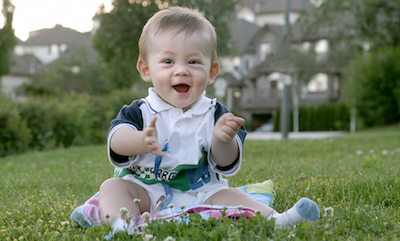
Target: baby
(176,144)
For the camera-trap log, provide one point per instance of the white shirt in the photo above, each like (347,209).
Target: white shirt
(187,164)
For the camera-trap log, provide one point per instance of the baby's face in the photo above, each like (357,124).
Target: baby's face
(180,66)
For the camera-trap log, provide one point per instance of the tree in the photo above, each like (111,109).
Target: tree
(74,72)
(7,38)
(117,37)
(376,22)
(366,32)
(374,82)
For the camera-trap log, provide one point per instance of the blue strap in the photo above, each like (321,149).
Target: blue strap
(167,188)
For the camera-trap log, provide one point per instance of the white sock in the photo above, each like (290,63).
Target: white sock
(119,225)
(305,210)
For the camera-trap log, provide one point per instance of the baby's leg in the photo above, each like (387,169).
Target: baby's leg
(305,210)
(116,193)
(236,197)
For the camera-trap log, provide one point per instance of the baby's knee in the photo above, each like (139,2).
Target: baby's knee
(111,183)
(234,192)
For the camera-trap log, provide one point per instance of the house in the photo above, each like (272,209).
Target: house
(43,47)
(255,73)
(21,70)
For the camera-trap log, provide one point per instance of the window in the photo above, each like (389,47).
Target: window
(321,48)
(265,49)
(305,47)
(318,84)
(236,62)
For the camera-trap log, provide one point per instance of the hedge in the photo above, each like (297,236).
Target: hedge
(72,119)
(15,135)
(374,83)
(332,117)
(80,119)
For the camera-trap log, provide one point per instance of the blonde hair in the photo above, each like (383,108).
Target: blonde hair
(178,19)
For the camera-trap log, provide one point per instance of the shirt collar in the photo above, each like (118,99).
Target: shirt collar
(158,105)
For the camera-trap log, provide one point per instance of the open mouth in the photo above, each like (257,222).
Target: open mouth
(182,88)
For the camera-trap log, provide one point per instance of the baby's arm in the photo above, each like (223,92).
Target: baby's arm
(129,142)
(224,147)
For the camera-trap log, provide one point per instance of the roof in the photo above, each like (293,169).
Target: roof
(277,30)
(26,64)
(274,6)
(270,65)
(231,79)
(315,32)
(241,33)
(57,35)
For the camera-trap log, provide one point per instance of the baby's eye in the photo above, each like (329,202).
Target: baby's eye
(194,62)
(168,61)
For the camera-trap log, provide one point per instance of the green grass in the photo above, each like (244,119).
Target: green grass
(39,190)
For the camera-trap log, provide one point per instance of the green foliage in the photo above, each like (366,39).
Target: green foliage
(356,175)
(117,37)
(377,22)
(72,73)
(323,118)
(65,121)
(7,38)
(14,133)
(68,120)
(374,83)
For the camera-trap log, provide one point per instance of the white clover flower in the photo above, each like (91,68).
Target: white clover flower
(371,151)
(385,152)
(359,152)
(240,207)
(146,215)
(169,238)
(148,237)
(161,219)
(65,223)
(136,200)
(329,211)
(124,213)
(182,206)
(171,205)
(145,226)
(292,233)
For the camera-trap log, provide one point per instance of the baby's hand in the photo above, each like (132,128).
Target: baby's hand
(227,126)
(150,141)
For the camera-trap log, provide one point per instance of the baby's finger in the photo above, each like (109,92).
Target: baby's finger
(158,153)
(239,120)
(153,122)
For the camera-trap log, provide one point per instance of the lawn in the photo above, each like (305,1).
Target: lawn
(356,175)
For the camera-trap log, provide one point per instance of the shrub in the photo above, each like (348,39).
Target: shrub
(14,133)
(37,112)
(374,82)
(117,98)
(72,120)
(69,119)
(323,118)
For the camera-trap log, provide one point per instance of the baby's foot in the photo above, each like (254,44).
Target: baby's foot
(305,210)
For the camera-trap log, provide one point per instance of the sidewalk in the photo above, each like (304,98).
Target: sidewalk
(294,135)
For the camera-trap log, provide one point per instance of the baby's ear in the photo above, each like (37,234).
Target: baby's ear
(143,69)
(213,73)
